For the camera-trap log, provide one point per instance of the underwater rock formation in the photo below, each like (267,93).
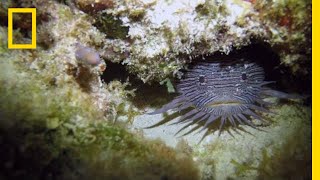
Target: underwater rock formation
(61,120)
(165,35)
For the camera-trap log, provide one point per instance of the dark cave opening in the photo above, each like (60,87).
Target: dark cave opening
(259,52)
(266,57)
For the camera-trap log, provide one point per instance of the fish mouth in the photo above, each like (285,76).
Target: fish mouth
(223,103)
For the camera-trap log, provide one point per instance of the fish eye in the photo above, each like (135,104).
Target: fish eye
(244,76)
(201,79)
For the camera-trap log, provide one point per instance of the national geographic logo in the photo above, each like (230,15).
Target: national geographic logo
(33,12)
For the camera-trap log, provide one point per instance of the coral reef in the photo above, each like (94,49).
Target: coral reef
(171,33)
(289,31)
(155,39)
(53,129)
(164,36)
(59,120)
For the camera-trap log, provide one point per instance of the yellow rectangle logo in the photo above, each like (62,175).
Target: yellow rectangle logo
(33,12)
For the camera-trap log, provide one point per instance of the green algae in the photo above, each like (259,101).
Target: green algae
(52,128)
(111,26)
(211,9)
(137,14)
(64,125)
(290,35)
(168,84)
(285,162)
(242,168)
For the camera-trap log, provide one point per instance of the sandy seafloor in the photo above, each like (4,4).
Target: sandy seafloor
(290,131)
(165,132)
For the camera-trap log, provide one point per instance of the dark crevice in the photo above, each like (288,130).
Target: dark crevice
(116,71)
(259,52)
(266,57)
(145,94)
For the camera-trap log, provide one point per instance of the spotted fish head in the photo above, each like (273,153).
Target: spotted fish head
(229,92)
(222,89)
